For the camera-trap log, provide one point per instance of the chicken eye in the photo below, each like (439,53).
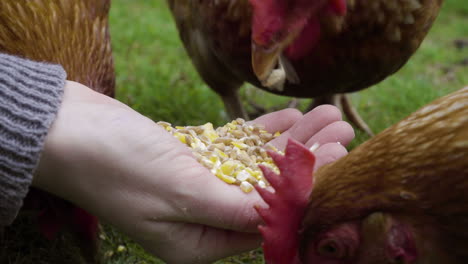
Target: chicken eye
(330,248)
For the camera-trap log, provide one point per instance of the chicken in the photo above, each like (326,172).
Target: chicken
(400,197)
(74,34)
(309,49)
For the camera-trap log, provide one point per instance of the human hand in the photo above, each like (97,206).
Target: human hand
(131,173)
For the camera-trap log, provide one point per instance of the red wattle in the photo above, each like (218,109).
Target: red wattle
(287,205)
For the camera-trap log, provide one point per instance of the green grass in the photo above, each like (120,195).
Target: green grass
(155,77)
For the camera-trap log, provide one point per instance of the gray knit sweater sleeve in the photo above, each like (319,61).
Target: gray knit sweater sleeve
(30,95)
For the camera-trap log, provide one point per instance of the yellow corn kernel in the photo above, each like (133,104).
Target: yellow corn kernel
(277,134)
(262,184)
(225,178)
(209,132)
(179,127)
(242,175)
(181,137)
(168,128)
(221,153)
(214,159)
(121,248)
(231,126)
(239,145)
(271,147)
(246,186)
(197,144)
(253,173)
(229,167)
(272,166)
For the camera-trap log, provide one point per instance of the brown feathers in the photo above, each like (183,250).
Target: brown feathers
(74,34)
(416,169)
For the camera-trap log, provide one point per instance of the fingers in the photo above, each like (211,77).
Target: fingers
(309,125)
(280,120)
(337,132)
(329,153)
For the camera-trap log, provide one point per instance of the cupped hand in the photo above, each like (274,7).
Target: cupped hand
(131,173)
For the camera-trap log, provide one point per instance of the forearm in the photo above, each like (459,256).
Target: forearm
(30,95)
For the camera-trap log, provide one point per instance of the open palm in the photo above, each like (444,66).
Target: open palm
(128,171)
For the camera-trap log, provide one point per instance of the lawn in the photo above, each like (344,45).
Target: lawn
(156,78)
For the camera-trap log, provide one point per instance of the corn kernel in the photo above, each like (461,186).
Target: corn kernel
(207,163)
(231,152)
(198,144)
(239,145)
(214,159)
(228,167)
(209,132)
(277,134)
(246,187)
(121,248)
(181,137)
(225,178)
(262,184)
(253,173)
(231,126)
(242,175)
(270,146)
(314,147)
(221,153)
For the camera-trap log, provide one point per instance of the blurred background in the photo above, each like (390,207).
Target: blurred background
(156,78)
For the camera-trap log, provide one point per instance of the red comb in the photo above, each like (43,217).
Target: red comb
(287,204)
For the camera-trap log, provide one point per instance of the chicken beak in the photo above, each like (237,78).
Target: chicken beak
(264,61)
(271,66)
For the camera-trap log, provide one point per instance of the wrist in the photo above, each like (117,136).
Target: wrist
(70,136)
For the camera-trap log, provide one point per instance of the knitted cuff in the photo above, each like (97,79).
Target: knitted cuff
(30,96)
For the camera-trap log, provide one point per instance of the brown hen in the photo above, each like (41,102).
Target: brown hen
(311,49)
(400,197)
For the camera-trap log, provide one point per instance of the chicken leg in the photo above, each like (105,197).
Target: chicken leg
(233,104)
(343,103)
